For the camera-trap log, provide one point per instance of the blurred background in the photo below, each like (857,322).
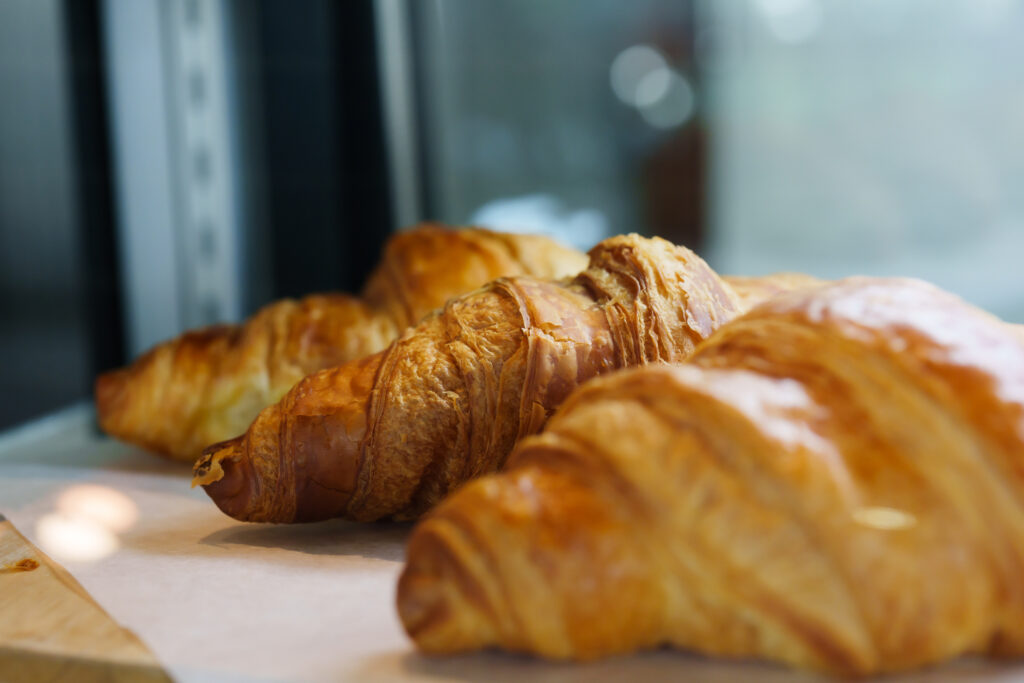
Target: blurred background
(172,163)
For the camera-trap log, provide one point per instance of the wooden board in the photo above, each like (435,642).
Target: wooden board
(52,630)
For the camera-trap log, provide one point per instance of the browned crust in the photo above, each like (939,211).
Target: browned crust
(208,385)
(833,481)
(448,400)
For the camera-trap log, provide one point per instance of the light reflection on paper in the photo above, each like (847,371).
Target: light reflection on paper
(74,539)
(109,508)
(85,525)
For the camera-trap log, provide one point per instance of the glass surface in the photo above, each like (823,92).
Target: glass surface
(523,127)
(880,137)
(835,137)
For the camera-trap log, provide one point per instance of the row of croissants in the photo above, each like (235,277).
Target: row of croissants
(824,474)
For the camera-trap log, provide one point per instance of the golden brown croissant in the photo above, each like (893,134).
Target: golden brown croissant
(834,480)
(754,290)
(390,435)
(208,385)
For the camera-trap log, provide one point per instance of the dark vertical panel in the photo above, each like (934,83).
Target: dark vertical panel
(244,84)
(299,78)
(675,174)
(94,192)
(326,167)
(430,192)
(43,328)
(366,202)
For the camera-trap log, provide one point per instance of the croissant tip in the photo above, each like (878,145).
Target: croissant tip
(209,468)
(225,473)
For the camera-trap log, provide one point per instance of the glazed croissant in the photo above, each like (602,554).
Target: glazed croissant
(834,481)
(390,435)
(208,385)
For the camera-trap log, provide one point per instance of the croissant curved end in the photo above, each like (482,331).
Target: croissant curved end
(208,468)
(433,608)
(226,476)
(110,393)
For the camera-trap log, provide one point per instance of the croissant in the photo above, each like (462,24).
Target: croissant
(834,481)
(208,385)
(753,290)
(390,435)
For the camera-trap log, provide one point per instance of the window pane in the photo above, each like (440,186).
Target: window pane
(525,129)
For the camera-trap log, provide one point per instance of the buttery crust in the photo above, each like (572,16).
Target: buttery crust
(390,435)
(208,385)
(834,480)
(754,290)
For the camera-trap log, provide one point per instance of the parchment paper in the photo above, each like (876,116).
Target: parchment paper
(217,600)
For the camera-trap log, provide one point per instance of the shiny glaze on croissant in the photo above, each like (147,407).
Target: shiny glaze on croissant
(390,435)
(208,385)
(834,480)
